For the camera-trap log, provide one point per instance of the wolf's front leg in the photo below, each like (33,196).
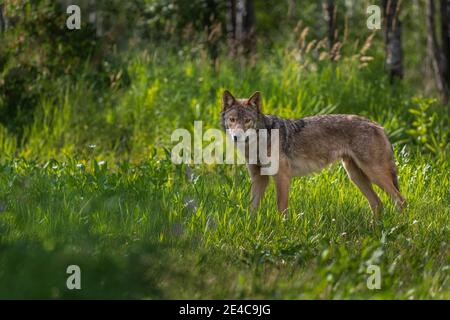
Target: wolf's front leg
(259,185)
(282,183)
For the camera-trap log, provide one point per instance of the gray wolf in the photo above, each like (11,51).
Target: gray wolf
(310,144)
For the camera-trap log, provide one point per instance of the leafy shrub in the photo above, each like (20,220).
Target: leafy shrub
(37,48)
(428,130)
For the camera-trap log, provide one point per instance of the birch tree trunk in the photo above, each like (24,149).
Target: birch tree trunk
(240,25)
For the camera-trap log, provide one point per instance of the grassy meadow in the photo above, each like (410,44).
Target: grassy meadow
(92,184)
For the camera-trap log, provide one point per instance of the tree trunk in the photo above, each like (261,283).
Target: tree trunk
(445,56)
(350,8)
(210,21)
(2,19)
(435,53)
(392,38)
(240,25)
(291,10)
(329,9)
(231,25)
(96,17)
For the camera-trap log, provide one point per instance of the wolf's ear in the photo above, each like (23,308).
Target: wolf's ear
(227,100)
(255,101)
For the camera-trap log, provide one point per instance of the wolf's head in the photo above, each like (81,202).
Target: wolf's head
(241,117)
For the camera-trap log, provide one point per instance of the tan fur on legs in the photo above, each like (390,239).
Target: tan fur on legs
(383,179)
(381,175)
(363,183)
(282,182)
(259,185)
(282,187)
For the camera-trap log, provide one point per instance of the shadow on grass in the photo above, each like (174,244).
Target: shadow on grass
(29,270)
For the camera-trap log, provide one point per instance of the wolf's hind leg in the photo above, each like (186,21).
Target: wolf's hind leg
(360,179)
(382,177)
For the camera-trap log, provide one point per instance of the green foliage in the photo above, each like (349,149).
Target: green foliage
(86,176)
(141,227)
(429,129)
(168,91)
(148,231)
(36,49)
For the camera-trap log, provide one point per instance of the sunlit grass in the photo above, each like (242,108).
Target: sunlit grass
(148,231)
(112,202)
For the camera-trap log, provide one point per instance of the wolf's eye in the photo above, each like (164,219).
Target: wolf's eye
(232,119)
(248,120)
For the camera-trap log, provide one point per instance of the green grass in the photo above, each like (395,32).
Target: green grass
(91,184)
(147,231)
